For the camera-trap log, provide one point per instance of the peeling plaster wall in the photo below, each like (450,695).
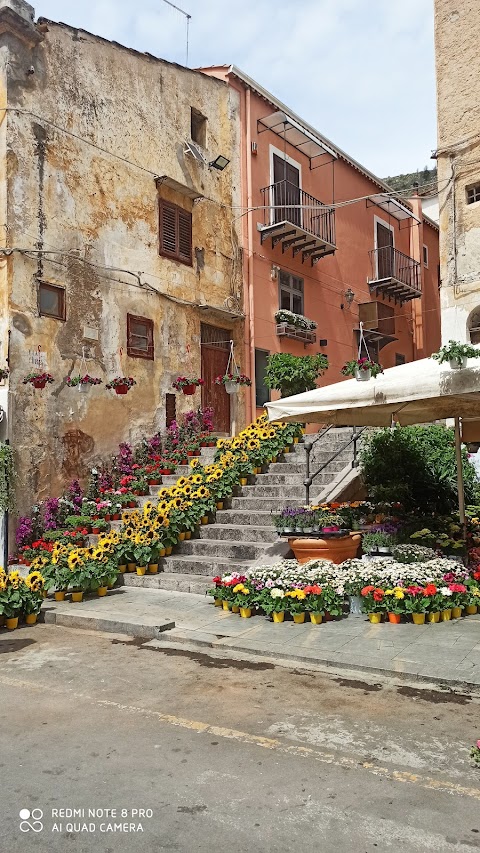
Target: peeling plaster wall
(68,195)
(457,26)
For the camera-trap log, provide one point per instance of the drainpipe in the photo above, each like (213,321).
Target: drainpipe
(416,251)
(249,296)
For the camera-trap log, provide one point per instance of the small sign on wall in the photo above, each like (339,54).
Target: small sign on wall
(38,358)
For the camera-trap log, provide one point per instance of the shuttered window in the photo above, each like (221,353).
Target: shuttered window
(140,337)
(175,232)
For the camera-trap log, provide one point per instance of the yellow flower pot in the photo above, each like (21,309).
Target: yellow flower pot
(141,570)
(299,618)
(153,568)
(245,612)
(225,605)
(471,609)
(274,458)
(286,450)
(219,504)
(101,591)
(181,536)
(278,617)
(188,534)
(243,481)
(418,618)
(30,619)
(295,440)
(316,618)
(217,602)
(204,519)
(456,612)
(131,567)
(59,595)
(161,553)
(168,551)
(433,617)
(122,568)
(11,623)
(303,430)
(235,608)
(446,615)
(375,618)
(77,596)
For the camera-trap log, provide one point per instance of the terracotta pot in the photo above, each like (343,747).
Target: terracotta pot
(336,550)
(188,390)
(153,482)
(30,619)
(196,453)
(471,609)
(394,618)
(95,531)
(116,516)
(39,383)
(132,504)
(11,622)
(131,567)
(328,616)
(278,617)
(418,618)
(184,462)
(108,517)
(101,591)
(121,389)
(189,452)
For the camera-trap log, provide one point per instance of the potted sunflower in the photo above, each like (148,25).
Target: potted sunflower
(32,596)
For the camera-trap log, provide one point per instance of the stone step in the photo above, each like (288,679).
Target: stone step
(171,581)
(284,491)
(264,504)
(238,532)
(243,518)
(208,566)
(221,549)
(295,479)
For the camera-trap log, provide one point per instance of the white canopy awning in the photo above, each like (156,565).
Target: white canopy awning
(418,392)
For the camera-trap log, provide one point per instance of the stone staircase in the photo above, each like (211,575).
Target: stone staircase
(244,534)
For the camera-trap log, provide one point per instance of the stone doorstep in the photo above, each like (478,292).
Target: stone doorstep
(108,622)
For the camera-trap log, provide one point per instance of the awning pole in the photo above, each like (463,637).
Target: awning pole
(458,453)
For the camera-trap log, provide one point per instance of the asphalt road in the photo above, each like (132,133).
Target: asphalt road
(154,749)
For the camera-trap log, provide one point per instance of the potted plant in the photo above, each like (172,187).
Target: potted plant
(11,597)
(274,603)
(187,385)
(4,372)
(294,374)
(456,354)
(38,380)
(83,383)
(121,384)
(416,603)
(314,603)
(373,602)
(232,381)
(378,542)
(32,596)
(297,320)
(361,368)
(296,604)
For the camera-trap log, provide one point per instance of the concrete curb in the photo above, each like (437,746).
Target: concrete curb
(110,625)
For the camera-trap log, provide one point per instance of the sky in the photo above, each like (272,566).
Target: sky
(360,71)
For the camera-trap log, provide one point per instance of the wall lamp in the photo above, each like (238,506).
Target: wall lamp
(348,296)
(219,163)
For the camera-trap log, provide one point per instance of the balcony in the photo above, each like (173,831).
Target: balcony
(298,221)
(395,275)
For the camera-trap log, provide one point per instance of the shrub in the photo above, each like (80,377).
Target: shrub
(416,465)
(294,374)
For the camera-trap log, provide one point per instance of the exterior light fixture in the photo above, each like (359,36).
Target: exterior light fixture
(219,163)
(274,272)
(348,296)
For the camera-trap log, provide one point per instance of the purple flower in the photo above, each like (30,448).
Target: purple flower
(24,534)
(50,516)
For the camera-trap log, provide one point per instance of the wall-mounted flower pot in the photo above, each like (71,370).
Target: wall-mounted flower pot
(363,375)
(188,390)
(39,383)
(121,389)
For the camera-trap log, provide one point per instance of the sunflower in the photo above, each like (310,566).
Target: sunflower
(15,579)
(34,581)
(73,561)
(181,481)
(197,478)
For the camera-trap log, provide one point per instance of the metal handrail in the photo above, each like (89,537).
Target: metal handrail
(388,262)
(284,201)
(308,449)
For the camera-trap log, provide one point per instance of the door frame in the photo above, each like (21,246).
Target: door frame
(377,220)
(281,154)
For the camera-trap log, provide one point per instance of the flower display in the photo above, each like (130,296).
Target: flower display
(74,381)
(361,365)
(121,382)
(237,378)
(182,382)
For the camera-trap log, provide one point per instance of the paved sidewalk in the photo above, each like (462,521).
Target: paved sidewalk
(448,652)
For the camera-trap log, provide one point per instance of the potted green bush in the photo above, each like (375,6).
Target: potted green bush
(294,374)
(456,354)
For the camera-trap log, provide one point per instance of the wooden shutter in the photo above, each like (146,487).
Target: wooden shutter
(175,232)
(185,236)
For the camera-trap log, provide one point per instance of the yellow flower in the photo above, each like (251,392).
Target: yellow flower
(15,579)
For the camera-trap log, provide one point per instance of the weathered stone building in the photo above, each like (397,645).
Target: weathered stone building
(119,242)
(457,27)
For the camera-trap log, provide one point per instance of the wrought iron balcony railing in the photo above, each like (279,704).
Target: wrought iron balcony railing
(297,220)
(395,274)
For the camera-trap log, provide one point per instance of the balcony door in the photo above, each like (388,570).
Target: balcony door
(384,244)
(286,195)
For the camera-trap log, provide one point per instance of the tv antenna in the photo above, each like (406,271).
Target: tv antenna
(188,18)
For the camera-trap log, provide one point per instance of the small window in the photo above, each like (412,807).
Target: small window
(51,301)
(399,359)
(425,256)
(291,292)
(262,393)
(198,127)
(473,326)
(175,232)
(140,337)
(473,193)
(170,409)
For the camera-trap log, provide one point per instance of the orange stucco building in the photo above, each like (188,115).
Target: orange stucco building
(326,239)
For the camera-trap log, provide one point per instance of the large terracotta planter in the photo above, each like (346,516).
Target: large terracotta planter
(336,550)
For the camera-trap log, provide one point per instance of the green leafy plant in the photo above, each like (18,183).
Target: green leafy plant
(351,368)
(7,477)
(455,351)
(378,539)
(294,374)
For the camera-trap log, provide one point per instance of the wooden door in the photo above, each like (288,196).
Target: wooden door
(215,352)
(286,178)
(384,251)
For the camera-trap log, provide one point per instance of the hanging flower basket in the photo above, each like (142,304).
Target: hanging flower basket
(361,368)
(121,384)
(83,383)
(38,380)
(188,386)
(232,381)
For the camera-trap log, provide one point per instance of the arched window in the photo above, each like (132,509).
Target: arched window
(473,326)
